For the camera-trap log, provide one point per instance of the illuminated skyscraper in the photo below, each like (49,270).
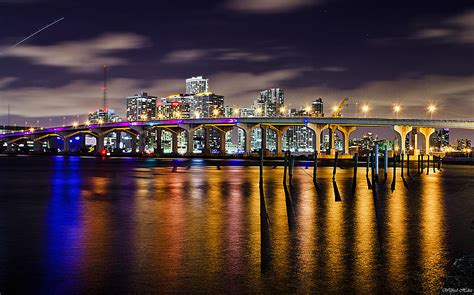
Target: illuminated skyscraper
(271,100)
(141,107)
(196,85)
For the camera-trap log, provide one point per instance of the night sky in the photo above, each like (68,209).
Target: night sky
(376,52)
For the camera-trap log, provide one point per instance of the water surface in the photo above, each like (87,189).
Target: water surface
(72,224)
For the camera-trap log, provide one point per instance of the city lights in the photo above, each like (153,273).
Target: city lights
(282,110)
(396,109)
(365,109)
(259,111)
(215,112)
(431,110)
(75,124)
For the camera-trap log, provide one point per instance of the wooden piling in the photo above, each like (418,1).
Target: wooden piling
(291,167)
(354,177)
(408,165)
(376,162)
(428,165)
(315,166)
(439,163)
(285,165)
(434,164)
(335,165)
(394,172)
(385,164)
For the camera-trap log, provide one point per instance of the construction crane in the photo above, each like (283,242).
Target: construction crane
(337,112)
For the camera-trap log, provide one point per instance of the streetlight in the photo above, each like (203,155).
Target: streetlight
(235,112)
(259,111)
(365,109)
(396,109)
(87,123)
(75,124)
(282,110)
(431,110)
(215,112)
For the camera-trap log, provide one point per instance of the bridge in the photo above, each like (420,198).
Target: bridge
(140,131)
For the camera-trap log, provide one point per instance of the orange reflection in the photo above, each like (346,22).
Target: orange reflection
(432,231)
(396,239)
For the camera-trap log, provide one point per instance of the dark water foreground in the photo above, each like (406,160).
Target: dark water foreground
(85,225)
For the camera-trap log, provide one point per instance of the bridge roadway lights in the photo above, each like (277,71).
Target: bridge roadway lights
(426,131)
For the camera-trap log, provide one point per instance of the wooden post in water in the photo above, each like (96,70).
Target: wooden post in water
(284,167)
(434,164)
(385,163)
(394,171)
(291,166)
(418,168)
(372,166)
(261,165)
(354,177)
(408,165)
(422,164)
(367,156)
(428,165)
(335,166)
(376,158)
(315,166)
(439,163)
(401,162)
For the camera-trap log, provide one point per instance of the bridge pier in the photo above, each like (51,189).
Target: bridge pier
(346,131)
(317,129)
(67,145)
(402,131)
(174,144)
(159,147)
(427,131)
(264,140)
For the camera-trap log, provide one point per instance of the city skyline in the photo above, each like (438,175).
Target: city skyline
(57,73)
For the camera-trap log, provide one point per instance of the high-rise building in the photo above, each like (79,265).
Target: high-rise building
(103,116)
(196,85)
(176,106)
(141,107)
(463,143)
(207,105)
(271,101)
(439,139)
(317,107)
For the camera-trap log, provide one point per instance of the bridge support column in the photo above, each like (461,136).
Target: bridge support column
(174,144)
(317,129)
(346,131)
(427,131)
(159,147)
(207,141)
(37,146)
(247,130)
(67,145)
(332,132)
(416,149)
(402,131)
(264,140)
(142,142)
(222,150)
(100,143)
(133,144)
(118,139)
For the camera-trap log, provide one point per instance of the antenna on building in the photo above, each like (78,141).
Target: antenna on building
(8,117)
(104,90)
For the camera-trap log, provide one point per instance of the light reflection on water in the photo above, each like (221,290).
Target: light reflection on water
(127,226)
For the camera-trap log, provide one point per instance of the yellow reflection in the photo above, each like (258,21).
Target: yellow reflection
(365,241)
(334,232)
(432,231)
(306,219)
(215,221)
(397,242)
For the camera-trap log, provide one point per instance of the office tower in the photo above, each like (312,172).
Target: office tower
(196,85)
(176,106)
(271,101)
(207,105)
(103,116)
(141,107)
(317,107)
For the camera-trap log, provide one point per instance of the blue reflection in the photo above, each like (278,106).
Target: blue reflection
(64,226)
